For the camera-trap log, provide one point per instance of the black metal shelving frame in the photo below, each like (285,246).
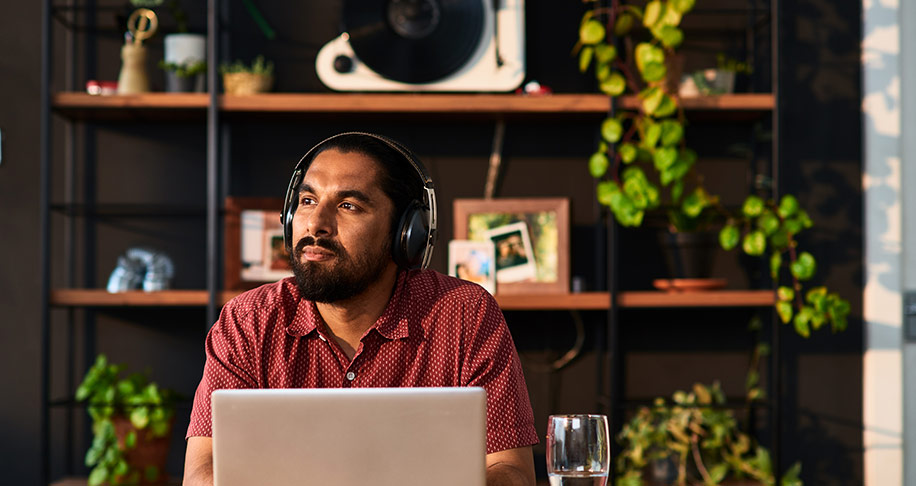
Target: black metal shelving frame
(610,374)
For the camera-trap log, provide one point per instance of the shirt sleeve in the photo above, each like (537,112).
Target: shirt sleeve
(492,362)
(229,363)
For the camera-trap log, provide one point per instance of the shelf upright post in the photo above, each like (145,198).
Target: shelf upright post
(213,158)
(775,365)
(45,239)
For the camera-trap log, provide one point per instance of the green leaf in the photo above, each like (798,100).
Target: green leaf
(755,243)
(768,222)
(614,85)
(804,267)
(591,32)
(611,130)
(605,53)
(667,107)
(98,475)
(672,132)
(585,58)
(121,468)
(784,309)
(801,322)
(694,203)
(653,71)
(717,473)
(605,190)
(130,440)
(788,206)
(729,236)
(664,157)
(623,24)
(627,152)
(753,206)
(681,6)
(652,135)
(817,297)
(139,417)
(785,294)
(671,36)
(790,478)
(151,474)
(647,53)
(598,164)
(775,264)
(653,13)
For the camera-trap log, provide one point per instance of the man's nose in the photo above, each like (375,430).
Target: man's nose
(321,220)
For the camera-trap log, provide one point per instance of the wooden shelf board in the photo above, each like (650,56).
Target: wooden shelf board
(715,298)
(194,105)
(131,298)
(579,301)
(170,481)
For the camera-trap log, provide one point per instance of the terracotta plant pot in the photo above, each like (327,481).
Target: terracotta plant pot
(246,83)
(149,451)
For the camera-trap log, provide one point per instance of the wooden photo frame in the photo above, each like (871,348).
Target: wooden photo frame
(547,223)
(254,251)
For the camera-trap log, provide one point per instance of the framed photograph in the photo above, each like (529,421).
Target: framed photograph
(254,251)
(514,254)
(533,233)
(474,261)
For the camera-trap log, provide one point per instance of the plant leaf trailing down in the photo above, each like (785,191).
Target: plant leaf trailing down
(643,160)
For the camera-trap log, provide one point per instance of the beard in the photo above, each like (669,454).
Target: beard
(345,277)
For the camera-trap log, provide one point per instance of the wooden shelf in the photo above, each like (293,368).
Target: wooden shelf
(179,106)
(714,298)
(580,301)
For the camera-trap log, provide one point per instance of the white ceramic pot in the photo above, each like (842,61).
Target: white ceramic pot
(185,48)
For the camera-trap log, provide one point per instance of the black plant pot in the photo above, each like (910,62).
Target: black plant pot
(688,255)
(181,84)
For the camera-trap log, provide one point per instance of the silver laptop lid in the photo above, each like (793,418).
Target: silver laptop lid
(349,437)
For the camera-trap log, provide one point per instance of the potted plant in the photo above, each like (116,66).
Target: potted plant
(184,78)
(241,79)
(185,54)
(643,162)
(691,440)
(131,424)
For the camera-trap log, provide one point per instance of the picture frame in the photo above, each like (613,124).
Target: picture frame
(254,250)
(546,222)
(474,261)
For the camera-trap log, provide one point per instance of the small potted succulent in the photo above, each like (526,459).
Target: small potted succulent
(131,424)
(185,77)
(241,79)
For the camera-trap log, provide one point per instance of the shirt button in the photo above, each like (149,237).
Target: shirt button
(351,375)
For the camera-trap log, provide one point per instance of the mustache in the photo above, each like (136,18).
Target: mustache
(319,242)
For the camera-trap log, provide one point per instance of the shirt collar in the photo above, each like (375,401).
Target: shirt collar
(392,324)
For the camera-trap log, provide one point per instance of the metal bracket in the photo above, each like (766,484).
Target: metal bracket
(909,316)
(496,159)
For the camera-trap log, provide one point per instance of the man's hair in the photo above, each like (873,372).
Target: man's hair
(398,178)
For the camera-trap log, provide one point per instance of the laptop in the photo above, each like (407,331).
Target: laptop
(349,437)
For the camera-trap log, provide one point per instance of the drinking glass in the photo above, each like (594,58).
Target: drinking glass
(578,452)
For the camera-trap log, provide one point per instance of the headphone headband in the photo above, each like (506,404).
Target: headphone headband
(414,239)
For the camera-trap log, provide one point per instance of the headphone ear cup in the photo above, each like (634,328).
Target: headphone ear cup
(412,237)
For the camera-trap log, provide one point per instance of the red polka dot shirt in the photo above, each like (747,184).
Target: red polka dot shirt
(435,331)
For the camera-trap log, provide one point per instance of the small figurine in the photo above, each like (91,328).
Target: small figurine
(141,25)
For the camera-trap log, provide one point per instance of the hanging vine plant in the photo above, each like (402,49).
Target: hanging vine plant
(643,161)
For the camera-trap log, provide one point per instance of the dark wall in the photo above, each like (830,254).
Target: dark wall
(20,33)
(159,163)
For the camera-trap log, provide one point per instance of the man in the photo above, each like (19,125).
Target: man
(354,315)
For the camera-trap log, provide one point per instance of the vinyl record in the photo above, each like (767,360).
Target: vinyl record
(414,41)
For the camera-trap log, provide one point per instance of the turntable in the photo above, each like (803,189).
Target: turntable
(426,45)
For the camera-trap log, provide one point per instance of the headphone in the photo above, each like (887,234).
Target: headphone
(415,235)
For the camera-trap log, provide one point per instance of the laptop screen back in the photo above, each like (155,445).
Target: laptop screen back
(349,437)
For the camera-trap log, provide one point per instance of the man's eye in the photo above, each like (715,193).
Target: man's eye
(348,206)
(306,201)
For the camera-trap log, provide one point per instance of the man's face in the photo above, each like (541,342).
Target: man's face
(341,228)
